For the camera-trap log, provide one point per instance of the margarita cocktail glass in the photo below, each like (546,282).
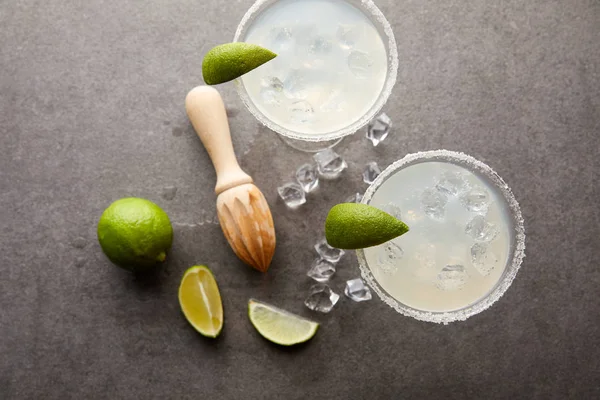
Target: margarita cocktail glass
(335,68)
(466,240)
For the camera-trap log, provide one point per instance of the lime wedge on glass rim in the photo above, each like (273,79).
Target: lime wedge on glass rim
(200,301)
(357,226)
(226,62)
(279,326)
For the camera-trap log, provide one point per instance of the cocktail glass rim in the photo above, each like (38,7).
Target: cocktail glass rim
(517,249)
(369,8)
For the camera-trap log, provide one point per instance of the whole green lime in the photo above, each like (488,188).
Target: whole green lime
(135,233)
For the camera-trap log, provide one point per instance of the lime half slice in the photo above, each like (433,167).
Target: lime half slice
(200,301)
(280,326)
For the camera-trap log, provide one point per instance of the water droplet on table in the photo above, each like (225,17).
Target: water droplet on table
(169,192)
(80,262)
(177,131)
(79,242)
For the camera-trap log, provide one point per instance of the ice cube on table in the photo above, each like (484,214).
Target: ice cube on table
(302,112)
(355,198)
(483,259)
(329,164)
(434,203)
(321,270)
(452,277)
(327,252)
(360,64)
(321,298)
(307,177)
(452,183)
(476,199)
(379,128)
(388,254)
(480,229)
(371,172)
(348,35)
(357,290)
(271,91)
(393,210)
(292,194)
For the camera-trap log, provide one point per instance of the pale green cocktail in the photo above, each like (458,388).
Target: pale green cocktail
(465,243)
(336,65)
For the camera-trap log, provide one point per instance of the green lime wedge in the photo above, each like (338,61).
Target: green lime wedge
(228,61)
(200,301)
(280,326)
(356,226)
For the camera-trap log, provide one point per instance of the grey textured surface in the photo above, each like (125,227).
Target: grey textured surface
(91,110)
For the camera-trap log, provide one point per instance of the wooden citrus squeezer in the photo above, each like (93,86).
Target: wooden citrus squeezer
(242,209)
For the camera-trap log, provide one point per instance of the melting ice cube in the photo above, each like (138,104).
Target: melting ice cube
(379,128)
(452,277)
(327,252)
(389,253)
(302,112)
(371,172)
(481,229)
(357,290)
(483,259)
(271,91)
(360,64)
(452,183)
(307,177)
(281,39)
(348,35)
(321,270)
(292,194)
(329,163)
(476,199)
(321,298)
(434,203)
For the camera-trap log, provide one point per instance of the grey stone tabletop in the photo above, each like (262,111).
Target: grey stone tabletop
(91,110)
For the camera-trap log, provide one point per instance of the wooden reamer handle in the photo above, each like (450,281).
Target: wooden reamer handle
(206,111)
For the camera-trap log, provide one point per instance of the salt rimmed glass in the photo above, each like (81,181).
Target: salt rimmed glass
(517,242)
(369,9)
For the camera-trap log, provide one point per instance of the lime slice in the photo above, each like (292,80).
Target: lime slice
(356,226)
(200,301)
(228,61)
(279,326)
